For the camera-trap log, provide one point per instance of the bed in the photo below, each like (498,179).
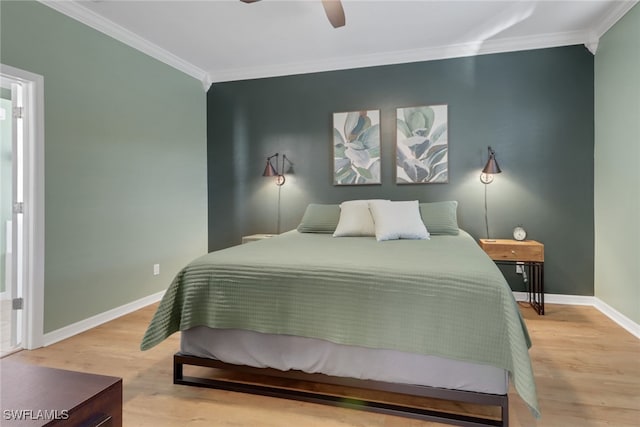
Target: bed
(426,317)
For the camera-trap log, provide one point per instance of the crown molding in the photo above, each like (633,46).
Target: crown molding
(403,57)
(619,9)
(86,16)
(592,43)
(589,38)
(615,13)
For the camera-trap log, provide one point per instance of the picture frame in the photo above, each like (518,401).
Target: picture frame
(356,148)
(422,146)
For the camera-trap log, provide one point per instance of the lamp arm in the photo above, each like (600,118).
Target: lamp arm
(278,170)
(486,215)
(285,158)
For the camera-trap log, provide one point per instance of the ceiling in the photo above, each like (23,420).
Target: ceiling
(224,40)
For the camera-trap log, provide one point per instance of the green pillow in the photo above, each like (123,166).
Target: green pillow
(440,217)
(320,219)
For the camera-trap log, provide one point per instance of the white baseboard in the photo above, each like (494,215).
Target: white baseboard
(559,299)
(84,325)
(618,317)
(629,325)
(97,320)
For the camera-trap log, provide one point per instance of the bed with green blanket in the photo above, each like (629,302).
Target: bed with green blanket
(438,297)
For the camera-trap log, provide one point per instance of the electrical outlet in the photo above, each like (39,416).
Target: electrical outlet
(519,267)
(156,269)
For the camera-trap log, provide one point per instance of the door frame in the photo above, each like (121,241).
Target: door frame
(33,219)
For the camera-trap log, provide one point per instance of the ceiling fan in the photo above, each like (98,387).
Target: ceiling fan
(333,9)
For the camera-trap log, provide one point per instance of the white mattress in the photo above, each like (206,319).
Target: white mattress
(286,352)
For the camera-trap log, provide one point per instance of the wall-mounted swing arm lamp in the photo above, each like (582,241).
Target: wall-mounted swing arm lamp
(490,169)
(270,170)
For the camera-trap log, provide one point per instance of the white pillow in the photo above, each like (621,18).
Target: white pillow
(355,219)
(397,220)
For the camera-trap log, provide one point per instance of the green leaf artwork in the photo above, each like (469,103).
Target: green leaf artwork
(422,147)
(356,148)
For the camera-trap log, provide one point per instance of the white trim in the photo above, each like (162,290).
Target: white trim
(619,318)
(207,82)
(616,12)
(35,222)
(629,325)
(33,292)
(97,320)
(98,22)
(592,44)
(559,299)
(405,56)
(589,38)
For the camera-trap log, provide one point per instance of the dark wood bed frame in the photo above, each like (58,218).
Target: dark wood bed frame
(501,400)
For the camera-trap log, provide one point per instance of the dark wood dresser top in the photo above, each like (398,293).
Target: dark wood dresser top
(48,396)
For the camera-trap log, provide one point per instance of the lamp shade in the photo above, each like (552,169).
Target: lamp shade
(269,170)
(492,165)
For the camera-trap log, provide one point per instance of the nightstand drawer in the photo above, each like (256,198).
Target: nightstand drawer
(509,250)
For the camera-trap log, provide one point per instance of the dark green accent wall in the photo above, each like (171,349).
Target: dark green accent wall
(535,108)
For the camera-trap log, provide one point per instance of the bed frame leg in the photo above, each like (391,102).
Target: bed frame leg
(178,376)
(505,413)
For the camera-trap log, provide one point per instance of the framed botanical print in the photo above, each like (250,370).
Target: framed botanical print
(422,147)
(356,148)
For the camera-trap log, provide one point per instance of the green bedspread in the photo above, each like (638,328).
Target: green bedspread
(441,297)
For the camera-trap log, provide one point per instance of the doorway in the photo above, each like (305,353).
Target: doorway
(12,121)
(21,210)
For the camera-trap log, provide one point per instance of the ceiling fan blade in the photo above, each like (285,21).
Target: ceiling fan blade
(335,12)
(333,9)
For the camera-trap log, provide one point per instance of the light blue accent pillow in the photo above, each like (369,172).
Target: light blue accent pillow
(440,217)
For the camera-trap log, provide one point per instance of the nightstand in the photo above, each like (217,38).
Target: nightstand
(530,254)
(255,237)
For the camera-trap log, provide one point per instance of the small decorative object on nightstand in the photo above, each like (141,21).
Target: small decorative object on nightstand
(519,233)
(255,237)
(530,254)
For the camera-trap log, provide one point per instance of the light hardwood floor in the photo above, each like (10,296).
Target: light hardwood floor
(587,372)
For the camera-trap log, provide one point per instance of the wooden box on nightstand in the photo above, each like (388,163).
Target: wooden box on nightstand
(530,254)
